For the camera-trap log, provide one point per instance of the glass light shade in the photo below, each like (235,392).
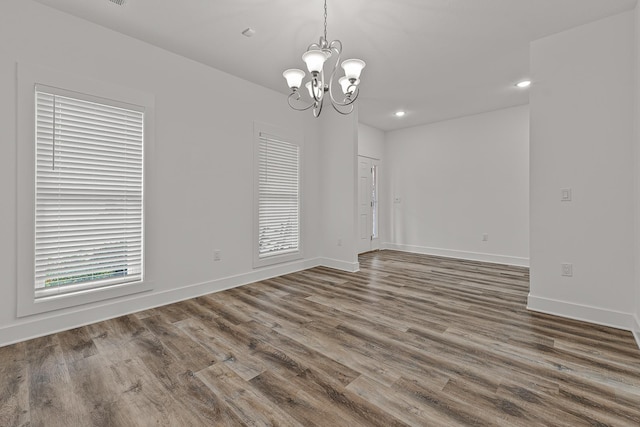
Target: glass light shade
(318,90)
(345,83)
(353,68)
(294,77)
(314,60)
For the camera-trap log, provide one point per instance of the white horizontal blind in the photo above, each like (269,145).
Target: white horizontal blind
(89,193)
(278,197)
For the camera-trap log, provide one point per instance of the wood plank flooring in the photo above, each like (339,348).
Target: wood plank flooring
(409,340)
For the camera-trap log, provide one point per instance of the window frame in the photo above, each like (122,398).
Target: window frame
(293,138)
(29,77)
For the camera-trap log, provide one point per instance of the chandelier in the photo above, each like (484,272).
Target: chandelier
(315,57)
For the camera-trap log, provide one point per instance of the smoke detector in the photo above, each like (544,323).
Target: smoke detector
(249,32)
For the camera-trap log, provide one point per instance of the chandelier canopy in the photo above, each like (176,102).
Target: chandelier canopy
(316,56)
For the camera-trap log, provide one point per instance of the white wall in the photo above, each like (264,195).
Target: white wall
(637,171)
(457,180)
(202,189)
(370,142)
(582,105)
(338,163)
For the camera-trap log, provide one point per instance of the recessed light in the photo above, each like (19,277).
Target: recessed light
(400,113)
(523,84)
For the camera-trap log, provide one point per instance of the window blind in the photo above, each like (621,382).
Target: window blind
(279,197)
(89,193)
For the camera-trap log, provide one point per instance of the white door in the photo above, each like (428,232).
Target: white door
(368,204)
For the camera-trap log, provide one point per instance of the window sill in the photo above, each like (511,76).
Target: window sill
(29,305)
(276,259)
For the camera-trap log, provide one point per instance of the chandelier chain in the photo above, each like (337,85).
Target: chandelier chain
(325,19)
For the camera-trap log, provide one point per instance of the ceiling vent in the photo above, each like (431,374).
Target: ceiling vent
(118,2)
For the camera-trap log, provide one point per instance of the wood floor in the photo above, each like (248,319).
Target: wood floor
(409,340)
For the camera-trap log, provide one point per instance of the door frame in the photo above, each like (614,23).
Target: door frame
(373,202)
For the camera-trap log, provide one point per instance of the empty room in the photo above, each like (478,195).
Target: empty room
(319,213)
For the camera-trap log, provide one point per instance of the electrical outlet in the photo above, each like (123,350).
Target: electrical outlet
(217,256)
(567,269)
(485,237)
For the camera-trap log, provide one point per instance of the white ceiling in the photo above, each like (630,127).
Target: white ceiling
(435,59)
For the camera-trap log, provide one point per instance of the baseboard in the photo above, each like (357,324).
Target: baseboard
(349,267)
(636,330)
(585,313)
(76,317)
(450,253)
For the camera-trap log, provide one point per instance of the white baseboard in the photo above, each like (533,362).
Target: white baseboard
(349,267)
(450,253)
(68,319)
(636,330)
(585,313)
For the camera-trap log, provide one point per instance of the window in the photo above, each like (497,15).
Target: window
(83,156)
(89,198)
(278,198)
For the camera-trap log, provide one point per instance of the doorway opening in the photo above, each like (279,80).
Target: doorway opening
(368,215)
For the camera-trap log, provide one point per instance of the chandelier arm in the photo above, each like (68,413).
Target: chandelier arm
(349,111)
(297,99)
(349,99)
(353,97)
(335,45)
(320,84)
(317,109)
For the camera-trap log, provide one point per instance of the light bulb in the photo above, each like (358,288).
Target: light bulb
(314,60)
(294,77)
(353,68)
(347,87)
(317,89)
